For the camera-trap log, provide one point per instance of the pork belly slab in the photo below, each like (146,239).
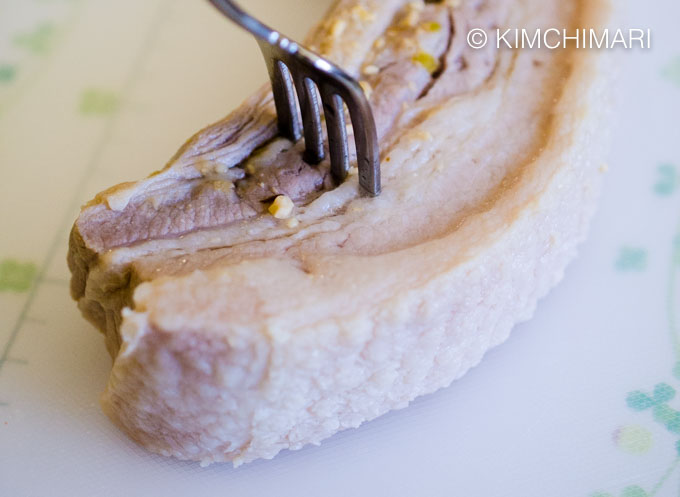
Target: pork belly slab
(240,327)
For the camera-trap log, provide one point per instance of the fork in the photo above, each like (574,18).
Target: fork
(294,69)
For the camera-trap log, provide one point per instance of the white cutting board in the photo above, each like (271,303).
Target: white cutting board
(97,92)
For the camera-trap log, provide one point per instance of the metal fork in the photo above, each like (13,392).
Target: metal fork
(295,69)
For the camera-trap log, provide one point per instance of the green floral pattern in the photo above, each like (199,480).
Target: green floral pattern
(657,401)
(16,276)
(667,180)
(29,50)
(94,101)
(634,439)
(632,259)
(38,41)
(7,73)
(671,72)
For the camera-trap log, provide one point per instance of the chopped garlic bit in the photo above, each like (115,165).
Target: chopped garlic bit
(371,70)
(361,13)
(427,61)
(282,207)
(338,27)
(292,222)
(412,15)
(432,27)
(366,86)
(408,43)
(416,6)
(410,20)
(453,3)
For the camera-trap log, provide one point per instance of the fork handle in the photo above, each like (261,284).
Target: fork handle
(246,21)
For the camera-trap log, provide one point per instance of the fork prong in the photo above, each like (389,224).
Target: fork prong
(311,118)
(284,98)
(366,140)
(337,88)
(337,133)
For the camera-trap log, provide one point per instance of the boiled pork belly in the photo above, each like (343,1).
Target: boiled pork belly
(251,304)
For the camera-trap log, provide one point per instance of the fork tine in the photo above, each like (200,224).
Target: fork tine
(284,98)
(337,88)
(366,140)
(311,118)
(334,111)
